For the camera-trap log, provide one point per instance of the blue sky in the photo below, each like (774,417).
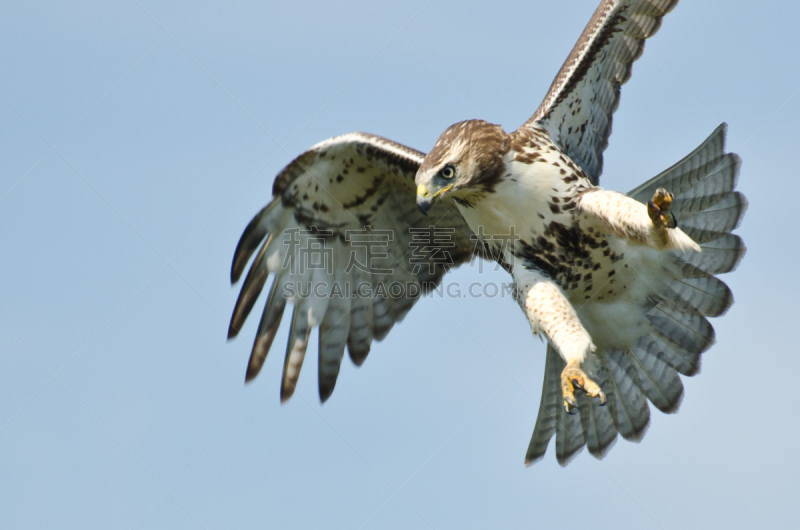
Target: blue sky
(137,139)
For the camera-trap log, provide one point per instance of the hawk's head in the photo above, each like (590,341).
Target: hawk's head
(465,162)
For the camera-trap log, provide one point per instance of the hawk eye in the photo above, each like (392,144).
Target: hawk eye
(448,172)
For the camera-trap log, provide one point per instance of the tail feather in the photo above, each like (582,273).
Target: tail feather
(715,185)
(569,436)
(691,331)
(692,168)
(685,361)
(549,407)
(599,428)
(598,425)
(723,216)
(708,183)
(718,256)
(631,413)
(705,294)
(660,382)
(688,270)
(593,427)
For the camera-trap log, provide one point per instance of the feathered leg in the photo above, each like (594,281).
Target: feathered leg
(652,225)
(550,312)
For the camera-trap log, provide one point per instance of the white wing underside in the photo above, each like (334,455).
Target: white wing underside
(350,195)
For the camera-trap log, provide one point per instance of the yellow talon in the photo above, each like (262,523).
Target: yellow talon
(573,377)
(659,209)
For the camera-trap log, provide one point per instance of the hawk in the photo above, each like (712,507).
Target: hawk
(620,291)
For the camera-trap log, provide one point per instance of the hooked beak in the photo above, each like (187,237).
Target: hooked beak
(424,199)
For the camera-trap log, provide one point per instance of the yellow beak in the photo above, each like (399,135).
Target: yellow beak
(425,199)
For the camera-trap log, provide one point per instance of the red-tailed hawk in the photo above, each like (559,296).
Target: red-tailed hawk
(619,290)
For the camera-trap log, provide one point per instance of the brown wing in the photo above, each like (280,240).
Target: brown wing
(578,108)
(347,245)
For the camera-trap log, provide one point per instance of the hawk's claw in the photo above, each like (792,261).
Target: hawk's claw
(659,209)
(569,404)
(573,377)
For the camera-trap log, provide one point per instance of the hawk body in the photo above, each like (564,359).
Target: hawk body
(621,294)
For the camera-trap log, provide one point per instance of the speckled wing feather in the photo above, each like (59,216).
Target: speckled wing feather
(578,108)
(342,229)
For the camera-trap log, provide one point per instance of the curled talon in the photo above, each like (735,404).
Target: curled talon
(659,209)
(569,404)
(573,377)
(663,199)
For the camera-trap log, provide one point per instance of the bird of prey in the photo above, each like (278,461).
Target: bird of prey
(620,285)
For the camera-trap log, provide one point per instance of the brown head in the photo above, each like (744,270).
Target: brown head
(466,162)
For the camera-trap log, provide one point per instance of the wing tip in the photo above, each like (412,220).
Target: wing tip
(531,459)
(358,354)
(233,331)
(237,266)
(251,237)
(325,392)
(286,392)
(251,373)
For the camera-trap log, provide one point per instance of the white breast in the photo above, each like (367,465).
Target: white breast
(520,204)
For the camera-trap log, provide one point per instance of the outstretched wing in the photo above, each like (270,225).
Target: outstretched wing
(347,245)
(577,109)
